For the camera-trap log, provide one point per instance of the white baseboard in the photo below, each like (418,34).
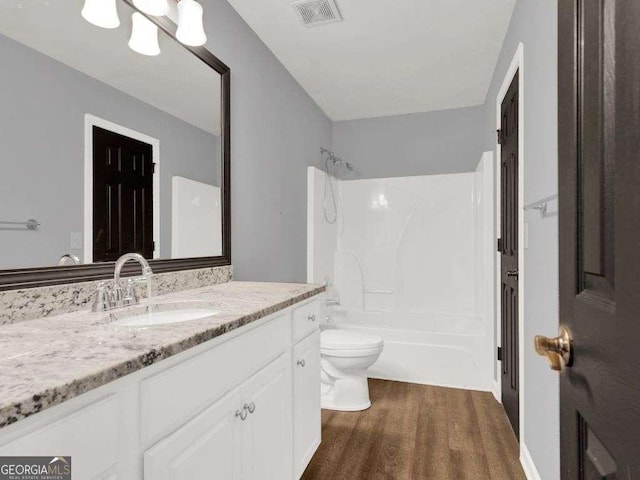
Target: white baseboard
(497,394)
(530,470)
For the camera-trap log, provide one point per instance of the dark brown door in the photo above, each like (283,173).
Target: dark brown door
(122,196)
(508,136)
(599,187)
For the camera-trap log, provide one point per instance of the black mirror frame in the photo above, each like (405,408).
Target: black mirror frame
(47,276)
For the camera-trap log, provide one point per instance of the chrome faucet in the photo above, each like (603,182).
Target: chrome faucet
(109,297)
(331,302)
(68,259)
(146,269)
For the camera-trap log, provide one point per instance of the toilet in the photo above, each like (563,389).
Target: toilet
(345,357)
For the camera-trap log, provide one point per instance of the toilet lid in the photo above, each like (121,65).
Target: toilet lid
(338,339)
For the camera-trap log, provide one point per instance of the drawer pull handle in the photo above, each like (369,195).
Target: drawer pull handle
(242,413)
(312,317)
(301,362)
(251,407)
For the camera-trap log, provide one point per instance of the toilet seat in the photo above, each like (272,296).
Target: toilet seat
(347,343)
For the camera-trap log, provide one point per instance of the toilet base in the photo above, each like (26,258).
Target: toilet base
(328,405)
(347,394)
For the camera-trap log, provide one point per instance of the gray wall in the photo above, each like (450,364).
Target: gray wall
(447,141)
(534,23)
(276,131)
(42,161)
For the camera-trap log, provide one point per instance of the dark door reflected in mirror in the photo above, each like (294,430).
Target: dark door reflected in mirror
(123,170)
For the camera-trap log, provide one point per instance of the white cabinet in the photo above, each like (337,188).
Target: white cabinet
(244,435)
(209,446)
(89,435)
(170,398)
(306,403)
(306,320)
(266,439)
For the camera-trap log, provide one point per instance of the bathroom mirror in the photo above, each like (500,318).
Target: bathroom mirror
(106,150)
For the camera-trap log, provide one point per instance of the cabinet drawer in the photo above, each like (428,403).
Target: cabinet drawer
(89,436)
(170,398)
(306,320)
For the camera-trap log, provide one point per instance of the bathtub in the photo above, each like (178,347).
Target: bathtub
(434,349)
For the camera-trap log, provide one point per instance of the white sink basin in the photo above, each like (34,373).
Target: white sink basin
(150,318)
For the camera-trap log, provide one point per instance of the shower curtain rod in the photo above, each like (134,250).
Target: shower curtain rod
(335,159)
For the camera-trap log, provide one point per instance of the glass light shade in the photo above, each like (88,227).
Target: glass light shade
(144,36)
(157,8)
(101,13)
(190,26)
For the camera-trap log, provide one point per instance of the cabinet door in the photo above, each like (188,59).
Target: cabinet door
(306,402)
(89,435)
(266,442)
(209,446)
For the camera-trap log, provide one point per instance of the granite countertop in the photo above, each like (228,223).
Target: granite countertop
(46,361)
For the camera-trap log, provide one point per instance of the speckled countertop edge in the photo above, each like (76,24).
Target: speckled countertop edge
(44,379)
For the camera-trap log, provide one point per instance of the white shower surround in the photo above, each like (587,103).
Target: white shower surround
(411,259)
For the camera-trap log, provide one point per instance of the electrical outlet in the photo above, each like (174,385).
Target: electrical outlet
(75,240)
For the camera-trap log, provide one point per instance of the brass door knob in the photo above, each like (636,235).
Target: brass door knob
(558,350)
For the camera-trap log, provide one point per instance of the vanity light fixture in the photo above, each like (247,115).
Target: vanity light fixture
(190,25)
(101,13)
(157,8)
(144,36)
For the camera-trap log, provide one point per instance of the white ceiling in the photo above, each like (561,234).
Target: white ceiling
(175,81)
(388,57)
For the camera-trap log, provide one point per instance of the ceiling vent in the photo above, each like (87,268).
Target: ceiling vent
(317,12)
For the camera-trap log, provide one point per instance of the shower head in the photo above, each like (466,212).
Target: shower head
(340,167)
(334,165)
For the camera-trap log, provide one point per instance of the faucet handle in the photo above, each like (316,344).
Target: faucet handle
(101,301)
(130,296)
(115,295)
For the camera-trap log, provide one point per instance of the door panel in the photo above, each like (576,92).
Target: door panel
(597,234)
(599,188)
(509,254)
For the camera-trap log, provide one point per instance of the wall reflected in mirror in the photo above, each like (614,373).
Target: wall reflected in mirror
(108,150)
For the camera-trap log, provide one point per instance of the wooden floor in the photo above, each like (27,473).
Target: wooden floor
(418,432)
